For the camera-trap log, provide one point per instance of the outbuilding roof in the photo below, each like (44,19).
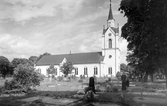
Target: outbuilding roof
(77,58)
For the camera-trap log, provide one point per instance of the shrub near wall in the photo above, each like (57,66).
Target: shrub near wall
(25,77)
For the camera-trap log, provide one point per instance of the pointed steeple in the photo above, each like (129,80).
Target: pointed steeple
(110,16)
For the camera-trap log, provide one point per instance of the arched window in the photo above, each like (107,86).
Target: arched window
(110,43)
(85,71)
(110,70)
(95,71)
(76,71)
(55,71)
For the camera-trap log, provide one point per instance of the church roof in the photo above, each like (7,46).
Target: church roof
(77,58)
(110,16)
(116,30)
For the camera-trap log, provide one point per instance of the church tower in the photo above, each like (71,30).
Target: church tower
(110,46)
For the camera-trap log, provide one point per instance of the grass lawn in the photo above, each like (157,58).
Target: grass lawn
(60,89)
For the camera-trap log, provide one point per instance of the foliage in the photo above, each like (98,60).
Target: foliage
(109,88)
(33,60)
(26,76)
(4,66)
(123,67)
(16,61)
(66,68)
(10,85)
(146,33)
(118,75)
(97,88)
(51,70)
(59,78)
(114,89)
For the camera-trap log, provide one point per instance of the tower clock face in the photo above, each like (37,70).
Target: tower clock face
(109,34)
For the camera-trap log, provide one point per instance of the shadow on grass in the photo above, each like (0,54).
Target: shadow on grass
(111,98)
(15,100)
(129,99)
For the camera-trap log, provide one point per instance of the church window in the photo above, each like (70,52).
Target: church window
(95,71)
(55,71)
(85,71)
(110,70)
(76,71)
(110,56)
(109,34)
(110,43)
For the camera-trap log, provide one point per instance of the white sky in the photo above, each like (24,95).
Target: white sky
(33,27)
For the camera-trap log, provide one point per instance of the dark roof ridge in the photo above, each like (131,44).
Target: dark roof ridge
(74,53)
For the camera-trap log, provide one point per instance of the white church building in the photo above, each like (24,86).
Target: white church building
(103,63)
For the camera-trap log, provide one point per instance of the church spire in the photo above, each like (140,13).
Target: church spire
(110,21)
(110,16)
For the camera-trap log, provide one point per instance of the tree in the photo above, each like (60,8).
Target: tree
(24,61)
(66,68)
(40,56)
(123,67)
(11,69)
(16,61)
(131,72)
(146,33)
(26,76)
(33,60)
(51,70)
(4,66)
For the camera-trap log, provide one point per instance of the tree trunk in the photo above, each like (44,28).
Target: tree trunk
(165,72)
(146,77)
(166,79)
(152,77)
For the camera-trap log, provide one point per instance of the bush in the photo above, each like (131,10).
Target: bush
(97,88)
(24,77)
(115,89)
(10,85)
(1,90)
(109,88)
(118,75)
(59,78)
